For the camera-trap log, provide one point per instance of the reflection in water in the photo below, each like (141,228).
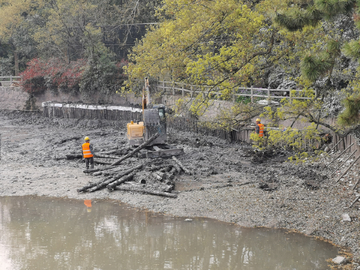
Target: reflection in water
(41,233)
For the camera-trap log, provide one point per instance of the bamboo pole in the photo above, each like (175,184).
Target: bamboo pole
(340,154)
(357,198)
(336,144)
(343,163)
(348,168)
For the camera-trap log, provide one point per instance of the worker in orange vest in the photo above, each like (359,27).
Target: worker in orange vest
(259,128)
(87,150)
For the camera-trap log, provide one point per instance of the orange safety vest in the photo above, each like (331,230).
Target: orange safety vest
(261,130)
(86,150)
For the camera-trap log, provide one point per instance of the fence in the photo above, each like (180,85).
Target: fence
(80,111)
(10,81)
(253,93)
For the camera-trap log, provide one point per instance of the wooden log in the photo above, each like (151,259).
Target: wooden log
(146,191)
(159,176)
(123,179)
(105,156)
(73,156)
(108,180)
(84,188)
(116,178)
(177,168)
(181,165)
(143,145)
(158,168)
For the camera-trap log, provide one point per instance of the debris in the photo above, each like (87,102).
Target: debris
(339,260)
(345,217)
(136,150)
(123,179)
(181,166)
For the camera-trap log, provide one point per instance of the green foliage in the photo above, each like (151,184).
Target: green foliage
(350,115)
(100,75)
(302,143)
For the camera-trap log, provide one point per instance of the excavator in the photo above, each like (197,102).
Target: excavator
(154,121)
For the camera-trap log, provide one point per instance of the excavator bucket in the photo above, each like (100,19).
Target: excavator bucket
(135,132)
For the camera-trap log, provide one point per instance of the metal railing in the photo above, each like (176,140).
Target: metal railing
(254,94)
(10,81)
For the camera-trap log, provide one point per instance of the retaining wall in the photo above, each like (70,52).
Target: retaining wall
(80,111)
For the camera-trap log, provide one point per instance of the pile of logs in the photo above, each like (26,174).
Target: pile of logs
(154,178)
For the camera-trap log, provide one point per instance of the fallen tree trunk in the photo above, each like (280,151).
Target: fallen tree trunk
(145,191)
(108,180)
(136,150)
(121,175)
(84,188)
(181,165)
(123,179)
(73,156)
(105,156)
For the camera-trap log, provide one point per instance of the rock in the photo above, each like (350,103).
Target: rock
(345,217)
(188,220)
(339,260)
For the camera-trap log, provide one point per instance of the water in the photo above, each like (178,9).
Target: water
(42,233)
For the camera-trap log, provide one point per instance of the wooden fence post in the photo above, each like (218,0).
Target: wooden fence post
(252,93)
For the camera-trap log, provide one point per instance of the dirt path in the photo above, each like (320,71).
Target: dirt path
(225,184)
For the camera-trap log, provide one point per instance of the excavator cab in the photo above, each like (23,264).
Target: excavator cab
(154,121)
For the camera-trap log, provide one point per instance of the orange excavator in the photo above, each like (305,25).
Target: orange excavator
(154,121)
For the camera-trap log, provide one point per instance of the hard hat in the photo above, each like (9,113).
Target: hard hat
(87,138)
(258,120)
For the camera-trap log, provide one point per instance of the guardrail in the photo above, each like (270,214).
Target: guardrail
(252,93)
(10,81)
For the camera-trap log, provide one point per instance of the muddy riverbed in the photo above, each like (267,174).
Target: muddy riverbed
(227,183)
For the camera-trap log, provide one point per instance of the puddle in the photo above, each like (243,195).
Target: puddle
(42,233)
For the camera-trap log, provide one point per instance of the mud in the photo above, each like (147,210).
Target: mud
(229,182)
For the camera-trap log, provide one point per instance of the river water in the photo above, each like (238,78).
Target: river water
(42,233)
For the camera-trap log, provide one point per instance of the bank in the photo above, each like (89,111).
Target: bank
(226,184)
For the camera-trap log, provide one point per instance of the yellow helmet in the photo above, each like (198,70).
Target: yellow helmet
(258,120)
(87,138)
